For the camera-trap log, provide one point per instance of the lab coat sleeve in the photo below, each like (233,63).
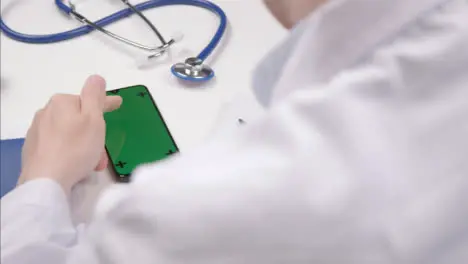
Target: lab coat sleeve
(36,224)
(279,191)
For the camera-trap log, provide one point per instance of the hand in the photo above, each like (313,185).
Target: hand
(65,142)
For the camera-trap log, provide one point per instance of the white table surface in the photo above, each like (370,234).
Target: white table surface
(31,73)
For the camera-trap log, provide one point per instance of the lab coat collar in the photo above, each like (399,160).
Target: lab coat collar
(334,37)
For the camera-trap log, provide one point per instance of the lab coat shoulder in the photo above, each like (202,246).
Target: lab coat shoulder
(371,164)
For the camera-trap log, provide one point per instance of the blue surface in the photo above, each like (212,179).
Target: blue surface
(10,166)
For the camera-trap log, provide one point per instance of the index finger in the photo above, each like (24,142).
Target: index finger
(93,94)
(112,103)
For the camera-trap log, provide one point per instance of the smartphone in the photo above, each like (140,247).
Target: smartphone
(136,133)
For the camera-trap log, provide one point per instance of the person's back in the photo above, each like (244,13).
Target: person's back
(361,157)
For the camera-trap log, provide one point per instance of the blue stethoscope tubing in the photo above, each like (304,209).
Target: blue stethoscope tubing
(83,30)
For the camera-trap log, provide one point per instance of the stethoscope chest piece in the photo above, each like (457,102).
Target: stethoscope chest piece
(193,69)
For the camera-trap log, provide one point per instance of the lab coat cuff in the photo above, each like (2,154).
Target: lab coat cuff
(40,193)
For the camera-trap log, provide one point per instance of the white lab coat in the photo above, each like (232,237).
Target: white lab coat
(362,158)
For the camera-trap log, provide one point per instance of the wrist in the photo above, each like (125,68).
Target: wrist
(35,173)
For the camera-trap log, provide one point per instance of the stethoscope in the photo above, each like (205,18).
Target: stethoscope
(192,69)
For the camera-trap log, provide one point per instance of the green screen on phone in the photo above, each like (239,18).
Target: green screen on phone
(136,132)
